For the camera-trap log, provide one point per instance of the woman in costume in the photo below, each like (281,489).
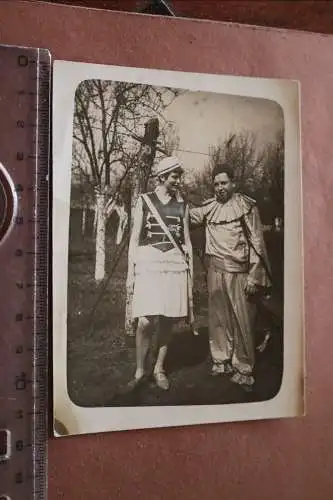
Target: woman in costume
(160,266)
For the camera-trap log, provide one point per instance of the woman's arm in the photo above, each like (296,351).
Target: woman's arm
(187,239)
(189,250)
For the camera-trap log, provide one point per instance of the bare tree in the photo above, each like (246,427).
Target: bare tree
(109,118)
(259,172)
(273,182)
(241,153)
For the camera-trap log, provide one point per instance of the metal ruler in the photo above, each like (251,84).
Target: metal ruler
(24,235)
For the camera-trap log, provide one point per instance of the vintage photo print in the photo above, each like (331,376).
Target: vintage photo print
(177,249)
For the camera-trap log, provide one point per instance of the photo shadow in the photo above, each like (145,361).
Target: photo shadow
(187,349)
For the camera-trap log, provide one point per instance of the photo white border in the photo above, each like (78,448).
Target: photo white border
(289,401)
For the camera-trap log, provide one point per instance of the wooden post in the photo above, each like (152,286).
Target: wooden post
(139,185)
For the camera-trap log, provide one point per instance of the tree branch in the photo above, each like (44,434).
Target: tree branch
(92,151)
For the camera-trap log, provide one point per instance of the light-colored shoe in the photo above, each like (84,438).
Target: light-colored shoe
(221,369)
(136,381)
(161,380)
(246,382)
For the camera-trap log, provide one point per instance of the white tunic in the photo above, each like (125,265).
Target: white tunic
(225,238)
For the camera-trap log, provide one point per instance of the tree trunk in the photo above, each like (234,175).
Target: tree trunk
(84,221)
(95,221)
(129,323)
(122,223)
(100,237)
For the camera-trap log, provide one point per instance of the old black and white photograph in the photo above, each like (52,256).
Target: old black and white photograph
(175,292)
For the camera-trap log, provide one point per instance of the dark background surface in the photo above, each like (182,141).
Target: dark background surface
(288,459)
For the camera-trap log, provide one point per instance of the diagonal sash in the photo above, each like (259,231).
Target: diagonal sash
(161,222)
(165,228)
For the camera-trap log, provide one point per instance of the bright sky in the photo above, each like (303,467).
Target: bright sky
(205,119)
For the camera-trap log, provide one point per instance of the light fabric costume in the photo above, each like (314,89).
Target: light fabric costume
(161,272)
(232,262)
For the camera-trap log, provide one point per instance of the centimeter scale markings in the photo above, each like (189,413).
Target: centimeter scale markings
(24,207)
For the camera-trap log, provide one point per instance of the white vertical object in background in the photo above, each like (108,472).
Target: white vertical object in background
(100,237)
(84,220)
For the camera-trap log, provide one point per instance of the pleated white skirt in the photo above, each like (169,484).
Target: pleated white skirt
(160,285)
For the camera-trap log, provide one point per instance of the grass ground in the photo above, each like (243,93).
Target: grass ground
(101,361)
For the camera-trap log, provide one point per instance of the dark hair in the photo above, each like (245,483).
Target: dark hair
(223,168)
